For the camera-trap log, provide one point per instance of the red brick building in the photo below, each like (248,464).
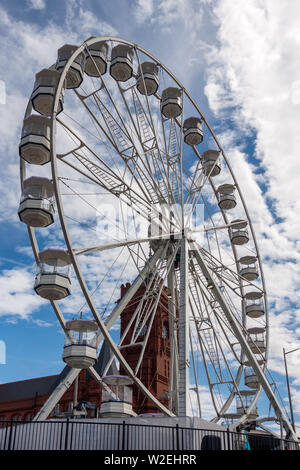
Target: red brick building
(23,399)
(154,371)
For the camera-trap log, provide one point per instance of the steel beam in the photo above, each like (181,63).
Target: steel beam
(183,334)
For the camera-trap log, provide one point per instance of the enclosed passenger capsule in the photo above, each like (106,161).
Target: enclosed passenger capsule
(80,349)
(121,405)
(36,206)
(52,281)
(121,66)
(147,81)
(192,131)
(250,377)
(249,270)
(257,341)
(211,163)
(243,403)
(96,59)
(238,232)
(259,360)
(75,73)
(35,140)
(158,233)
(171,102)
(226,197)
(254,306)
(44,90)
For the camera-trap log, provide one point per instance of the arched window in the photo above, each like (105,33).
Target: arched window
(2,419)
(165,332)
(16,418)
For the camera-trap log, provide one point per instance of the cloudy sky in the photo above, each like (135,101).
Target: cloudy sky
(240,61)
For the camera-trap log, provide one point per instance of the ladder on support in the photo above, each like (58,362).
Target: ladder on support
(114,185)
(121,138)
(146,133)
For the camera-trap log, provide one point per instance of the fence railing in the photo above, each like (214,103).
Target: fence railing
(81,434)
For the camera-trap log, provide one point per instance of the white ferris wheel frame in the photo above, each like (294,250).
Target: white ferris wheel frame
(184,303)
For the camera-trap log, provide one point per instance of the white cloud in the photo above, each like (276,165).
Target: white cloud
(42,323)
(36,4)
(17,297)
(144,9)
(86,23)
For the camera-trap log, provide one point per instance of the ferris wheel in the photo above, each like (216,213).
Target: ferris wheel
(123,178)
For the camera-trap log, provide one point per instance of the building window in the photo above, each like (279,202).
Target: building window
(16,418)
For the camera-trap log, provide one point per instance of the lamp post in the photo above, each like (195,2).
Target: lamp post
(288,385)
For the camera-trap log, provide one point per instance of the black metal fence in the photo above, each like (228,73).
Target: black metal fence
(87,435)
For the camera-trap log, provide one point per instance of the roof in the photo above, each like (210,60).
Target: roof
(27,388)
(46,385)
(103,358)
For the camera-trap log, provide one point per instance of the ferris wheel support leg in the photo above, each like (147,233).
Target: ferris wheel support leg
(173,401)
(56,395)
(245,347)
(183,333)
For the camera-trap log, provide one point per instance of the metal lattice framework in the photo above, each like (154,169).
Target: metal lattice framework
(136,197)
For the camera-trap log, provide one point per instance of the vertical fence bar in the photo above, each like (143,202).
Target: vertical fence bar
(67,434)
(10,435)
(228,439)
(6,432)
(177,437)
(123,435)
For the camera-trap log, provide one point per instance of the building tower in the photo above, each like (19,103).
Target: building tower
(154,371)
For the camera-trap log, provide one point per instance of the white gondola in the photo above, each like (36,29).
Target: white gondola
(249,270)
(243,402)
(53,281)
(259,359)
(250,378)
(80,349)
(121,66)
(238,232)
(96,59)
(257,340)
(44,90)
(226,196)
(34,146)
(171,102)
(147,81)
(36,207)
(156,230)
(254,307)
(121,405)
(75,73)
(211,163)
(192,131)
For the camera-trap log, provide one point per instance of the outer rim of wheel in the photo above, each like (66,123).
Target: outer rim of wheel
(59,203)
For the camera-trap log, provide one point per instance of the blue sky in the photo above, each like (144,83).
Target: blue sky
(240,61)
